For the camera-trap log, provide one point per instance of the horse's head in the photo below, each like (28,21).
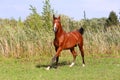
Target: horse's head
(56,23)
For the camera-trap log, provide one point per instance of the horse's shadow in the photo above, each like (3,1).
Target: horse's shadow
(64,63)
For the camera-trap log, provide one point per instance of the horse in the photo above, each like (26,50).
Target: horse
(66,41)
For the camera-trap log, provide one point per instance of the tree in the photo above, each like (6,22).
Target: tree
(34,20)
(112,19)
(47,14)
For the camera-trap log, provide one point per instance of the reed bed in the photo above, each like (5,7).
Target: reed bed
(24,42)
(102,42)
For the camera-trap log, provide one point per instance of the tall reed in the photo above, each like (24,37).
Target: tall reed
(24,42)
(102,41)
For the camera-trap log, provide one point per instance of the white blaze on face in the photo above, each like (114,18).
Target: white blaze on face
(55,27)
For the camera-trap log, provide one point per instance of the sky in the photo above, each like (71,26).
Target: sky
(73,8)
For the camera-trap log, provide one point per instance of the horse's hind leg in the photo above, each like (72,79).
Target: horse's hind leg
(74,56)
(82,53)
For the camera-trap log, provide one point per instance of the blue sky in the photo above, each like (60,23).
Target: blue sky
(71,8)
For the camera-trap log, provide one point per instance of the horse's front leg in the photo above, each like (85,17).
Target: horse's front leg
(57,58)
(54,58)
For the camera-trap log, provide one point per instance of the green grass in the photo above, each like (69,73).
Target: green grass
(105,67)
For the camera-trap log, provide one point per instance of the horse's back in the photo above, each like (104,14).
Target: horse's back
(75,34)
(72,39)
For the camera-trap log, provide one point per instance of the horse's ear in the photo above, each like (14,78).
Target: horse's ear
(53,16)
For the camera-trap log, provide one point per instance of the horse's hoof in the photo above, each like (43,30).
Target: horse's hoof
(48,68)
(83,65)
(72,64)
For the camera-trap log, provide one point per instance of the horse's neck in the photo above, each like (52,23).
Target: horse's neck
(60,33)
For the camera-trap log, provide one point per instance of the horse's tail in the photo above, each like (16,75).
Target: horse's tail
(81,31)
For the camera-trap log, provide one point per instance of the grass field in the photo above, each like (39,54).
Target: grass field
(100,67)
(25,53)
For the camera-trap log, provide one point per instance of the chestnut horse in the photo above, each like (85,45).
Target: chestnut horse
(65,41)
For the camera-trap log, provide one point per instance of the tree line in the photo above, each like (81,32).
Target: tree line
(37,21)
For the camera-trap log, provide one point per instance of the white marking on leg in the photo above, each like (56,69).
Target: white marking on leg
(48,68)
(72,64)
(83,65)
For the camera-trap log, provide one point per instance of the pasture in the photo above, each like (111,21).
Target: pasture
(98,67)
